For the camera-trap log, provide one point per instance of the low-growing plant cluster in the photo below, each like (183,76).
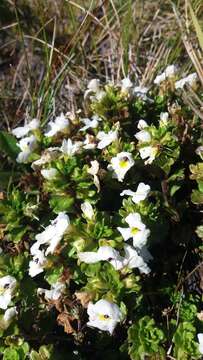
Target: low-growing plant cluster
(101,235)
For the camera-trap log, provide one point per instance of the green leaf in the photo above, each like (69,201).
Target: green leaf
(174,189)
(34,355)
(11,354)
(103,279)
(197,171)
(186,348)
(199,231)
(45,353)
(61,203)
(8,144)
(178,175)
(197,197)
(16,234)
(53,274)
(200,185)
(145,339)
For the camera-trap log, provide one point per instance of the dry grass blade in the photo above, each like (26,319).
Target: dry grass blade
(87,12)
(187,98)
(194,56)
(47,44)
(152,64)
(197,27)
(76,35)
(196,97)
(9,26)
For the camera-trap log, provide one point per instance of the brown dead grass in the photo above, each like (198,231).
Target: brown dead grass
(58,45)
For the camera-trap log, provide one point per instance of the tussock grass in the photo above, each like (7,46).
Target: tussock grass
(50,49)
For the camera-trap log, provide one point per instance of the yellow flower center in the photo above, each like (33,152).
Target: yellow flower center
(134,230)
(123,163)
(24,148)
(2,290)
(154,150)
(103,317)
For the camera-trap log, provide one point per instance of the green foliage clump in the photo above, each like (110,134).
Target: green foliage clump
(145,339)
(99,220)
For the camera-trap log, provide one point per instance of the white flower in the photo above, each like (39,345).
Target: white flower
(164,118)
(69,148)
(61,123)
(142,124)
(141,92)
(126,84)
(104,315)
(189,80)
(7,318)
(36,265)
(93,170)
(169,72)
(52,234)
(133,260)
(26,145)
(149,153)
(94,85)
(90,124)
(104,253)
(180,84)
(89,257)
(87,210)
(192,79)
(49,174)
(140,194)
(120,164)
(21,131)
(200,340)
(99,95)
(54,293)
(7,287)
(106,138)
(199,151)
(89,142)
(136,230)
(160,78)
(140,89)
(9,314)
(143,136)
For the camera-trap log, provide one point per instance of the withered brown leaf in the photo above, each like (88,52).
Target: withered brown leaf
(64,320)
(83,297)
